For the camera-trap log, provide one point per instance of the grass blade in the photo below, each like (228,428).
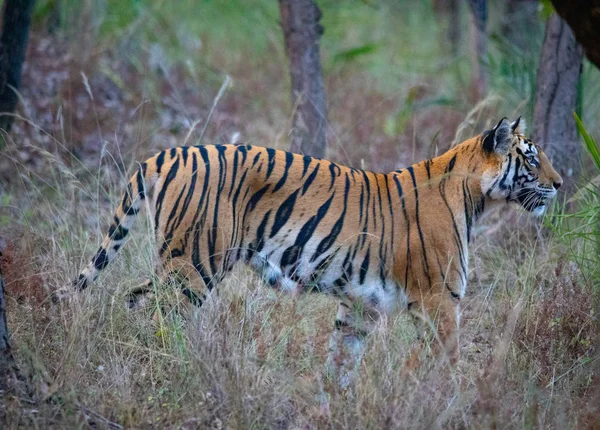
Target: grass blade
(590,143)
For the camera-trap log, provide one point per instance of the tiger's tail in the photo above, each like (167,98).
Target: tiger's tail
(125,215)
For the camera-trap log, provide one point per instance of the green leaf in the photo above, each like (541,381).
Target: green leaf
(547,9)
(353,53)
(590,143)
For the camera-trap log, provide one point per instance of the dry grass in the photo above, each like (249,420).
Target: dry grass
(250,358)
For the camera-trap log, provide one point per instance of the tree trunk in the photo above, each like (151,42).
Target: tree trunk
(480,42)
(517,23)
(6,358)
(556,97)
(583,16)
(448,17)
(301,29)
(13,46)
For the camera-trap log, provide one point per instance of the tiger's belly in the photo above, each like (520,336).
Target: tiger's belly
(341,271)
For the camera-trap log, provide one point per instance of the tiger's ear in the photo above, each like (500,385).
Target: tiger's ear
(518,126)
(498,139)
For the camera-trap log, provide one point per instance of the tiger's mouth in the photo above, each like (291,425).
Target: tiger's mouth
(535,200)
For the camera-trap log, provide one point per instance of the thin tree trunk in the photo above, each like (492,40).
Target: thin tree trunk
(6,358)
(448,17)
(556,96)
(480,42)
(517,23)
(13,46)
(301,29)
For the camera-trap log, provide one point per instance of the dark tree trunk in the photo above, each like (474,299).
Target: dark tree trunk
(556,96)
(6,358)
(480,41)
(448,17)
(583,16)
(301,29)
(518,21)
(13,46)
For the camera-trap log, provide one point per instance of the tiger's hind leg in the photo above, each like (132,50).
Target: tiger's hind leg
(189,289)
(347,343)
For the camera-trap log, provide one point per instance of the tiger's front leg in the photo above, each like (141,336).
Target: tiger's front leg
(436,312)
(347,343)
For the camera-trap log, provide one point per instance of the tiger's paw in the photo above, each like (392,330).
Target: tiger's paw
(139,296)
(62,295)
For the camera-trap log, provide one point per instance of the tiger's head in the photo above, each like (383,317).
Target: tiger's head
(516,169)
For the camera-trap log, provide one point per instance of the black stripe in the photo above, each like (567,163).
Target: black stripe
(160,160)
(408,254)
(468,203)
(256,198)
(233,174)
(391,209)
(310,179)
(191,190)
(234,210)
(335,171)
(271,156)
(382,239)
(339,324)
(140,183)
(163,191)
(291,254)
(451,164)
(212,238)
(516,174)
(244,151)
(289,159)
(127,203)
(256,158)
(501,184)
(366,212)
(306,160)
(100,259)
(203,195)
(361,201)
(196,257)
(184,154)
(194,298)
(284,212)
(457,236)
(116,231)
(260,233)
(329,240)
(170,231)
(81,283)
(364,267)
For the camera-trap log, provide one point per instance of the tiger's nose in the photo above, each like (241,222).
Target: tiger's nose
(557,184)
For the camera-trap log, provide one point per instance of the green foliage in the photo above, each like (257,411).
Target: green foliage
(547,9)
(580,227)
(592,147)
(353,53)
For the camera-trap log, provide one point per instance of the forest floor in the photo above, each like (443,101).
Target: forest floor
(252,358)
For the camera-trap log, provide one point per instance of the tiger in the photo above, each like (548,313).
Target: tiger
(377,242)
